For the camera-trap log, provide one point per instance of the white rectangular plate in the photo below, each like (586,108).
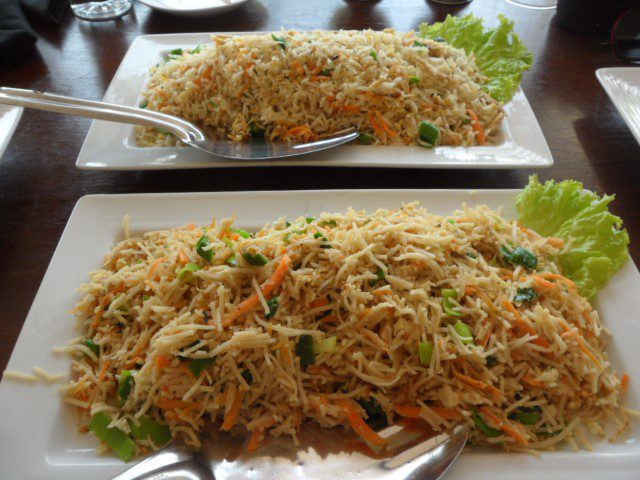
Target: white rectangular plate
(622,84)
(39,437)
(9,118)
(112,146)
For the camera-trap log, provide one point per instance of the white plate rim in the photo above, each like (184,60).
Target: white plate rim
(216,8)
(8,126)
(29,442)
(624,95)
(108,146)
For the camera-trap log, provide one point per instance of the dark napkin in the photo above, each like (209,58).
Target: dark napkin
(16,36)
(46,10)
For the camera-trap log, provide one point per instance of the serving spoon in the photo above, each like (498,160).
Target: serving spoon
(411,457)
(186,132)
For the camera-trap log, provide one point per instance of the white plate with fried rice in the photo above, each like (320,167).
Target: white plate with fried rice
(41,437)
(387,112)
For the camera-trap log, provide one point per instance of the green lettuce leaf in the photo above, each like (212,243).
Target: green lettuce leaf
(499,53)
(598,241)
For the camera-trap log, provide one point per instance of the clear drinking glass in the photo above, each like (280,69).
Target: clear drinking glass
(535,4)
(100,10)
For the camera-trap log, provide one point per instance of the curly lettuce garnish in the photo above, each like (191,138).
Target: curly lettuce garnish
(499,53)
(598,243)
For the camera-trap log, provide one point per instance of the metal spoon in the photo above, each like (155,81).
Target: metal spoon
(187,132)
(413,457)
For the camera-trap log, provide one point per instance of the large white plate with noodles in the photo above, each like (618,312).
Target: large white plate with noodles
(112,146)
(39,438)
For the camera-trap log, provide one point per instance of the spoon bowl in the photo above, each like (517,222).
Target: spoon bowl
(186,132)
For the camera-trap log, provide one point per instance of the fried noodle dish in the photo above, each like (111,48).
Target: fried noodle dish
(338,319)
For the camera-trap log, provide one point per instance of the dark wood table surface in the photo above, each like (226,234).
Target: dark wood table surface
(39,183)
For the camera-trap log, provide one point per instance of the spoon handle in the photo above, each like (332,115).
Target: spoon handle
(185,131)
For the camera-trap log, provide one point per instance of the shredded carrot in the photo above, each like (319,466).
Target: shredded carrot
(231,417)
(532,381)
(321,302)
(587,352)
(515,434)
(569,333)
(555,242)
(522,327)
(296,69)
(542,284)
(624,382)
(478,127)
(408,411)
(190,227)
(254,441)
(495,393)
(483,342)
(182,258)
(351,108)
(250,302)
(383,124)
(358,424)
(379,131)
(492,417)
(162,362)
(154,267)
(381,292)
(104,370)
(302,131)
(329,319)
(556,276)
(286,354)
(447,413)
(172,404)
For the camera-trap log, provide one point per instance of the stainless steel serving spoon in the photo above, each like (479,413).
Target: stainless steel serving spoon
(187,132)
(412,458)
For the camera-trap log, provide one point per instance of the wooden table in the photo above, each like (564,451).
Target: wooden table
(39,183)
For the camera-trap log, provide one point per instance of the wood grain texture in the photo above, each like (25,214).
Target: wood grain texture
(39,183)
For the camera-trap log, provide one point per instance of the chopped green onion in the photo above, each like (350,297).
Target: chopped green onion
(466,335)
(145,297)
(113,437)
(248,377)
(526,415)
(213,104)
(188,269)
(326,72)
(414,81)
(92,346)
(451,221)
(147,428)
(428,134)
(198,365)
(491,361)
(310,219)
(376,418)
(325,345)
(525,295)
(425,350)
(200,244)
(365,139)
(198,49)
(373,54)
(124,384)
(520,256)
(176,51)
(323,238)
(449,294)
(257,259)
(482,425)
(232,260)
(472,255)
(242,233)
(256,130)
(419,44)
(273,305)
(280,41)
(304,350)
(144,104)
(287,238)
(228,242)
(379,277)
(287,224)
(329,223)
